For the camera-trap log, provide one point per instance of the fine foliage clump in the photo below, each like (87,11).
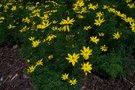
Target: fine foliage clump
(62,40)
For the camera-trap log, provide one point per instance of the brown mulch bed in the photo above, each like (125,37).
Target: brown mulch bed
(12,67)
(94,82)
(12,76)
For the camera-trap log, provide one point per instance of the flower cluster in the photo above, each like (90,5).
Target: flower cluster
(123,16)
(66,24)
(72,81)
(130,4)
(86,52)
(33,67)
(100,18)
(67,38)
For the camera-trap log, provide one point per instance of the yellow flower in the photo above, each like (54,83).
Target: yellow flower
(73,81)
(50,37)
(80,3)
(66,28)
(39,62)
(116,35)
(129,20)
(105,7)
(94,39)
(11,26)
(80,16)
(31,69)
(9,3)
(43,25)
(24,29)
(27,20)
(128,1)
(111,10)
(99,14)
(28,60)
(99,21)
(64,76)
(73,58)
(67,22)
(123,16)
(54,28)
(93,7)
(131,5)
(87,27)
(54,22)
(36,13)
(6,7)
(0,5)
(132,27)
(36,43)
(101,34)
(104,48)
(37,3)
(50,57)
(45,17)
(31,38)
(83,10)
(86,67)
(86,52)
(2,19)
(13,8)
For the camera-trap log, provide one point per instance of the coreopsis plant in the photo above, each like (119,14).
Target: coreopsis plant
(68,38)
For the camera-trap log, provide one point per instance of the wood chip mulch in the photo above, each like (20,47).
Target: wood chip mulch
(94,82)
(12,67)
